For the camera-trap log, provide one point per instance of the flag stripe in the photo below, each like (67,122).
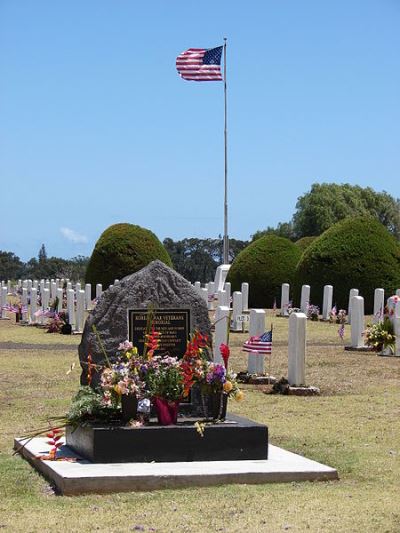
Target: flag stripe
(259,344)
(200,64)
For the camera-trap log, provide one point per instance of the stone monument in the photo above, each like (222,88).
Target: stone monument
(157,286)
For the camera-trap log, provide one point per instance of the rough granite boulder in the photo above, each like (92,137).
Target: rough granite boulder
(155,284)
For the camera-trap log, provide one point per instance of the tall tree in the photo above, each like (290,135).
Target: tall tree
(327,203)
(10,266)
(42,256)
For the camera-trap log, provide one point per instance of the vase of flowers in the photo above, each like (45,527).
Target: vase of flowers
(215,382)
(122,382)
(166,410)
(164,382)
(381,336)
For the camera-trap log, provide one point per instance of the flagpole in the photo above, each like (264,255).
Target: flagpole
(226,239)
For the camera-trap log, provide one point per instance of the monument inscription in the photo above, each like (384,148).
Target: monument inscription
(173,324)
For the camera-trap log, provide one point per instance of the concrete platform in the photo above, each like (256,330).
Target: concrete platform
(82,476)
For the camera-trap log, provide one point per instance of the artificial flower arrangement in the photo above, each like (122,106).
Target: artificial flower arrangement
(313,312)
(381,336)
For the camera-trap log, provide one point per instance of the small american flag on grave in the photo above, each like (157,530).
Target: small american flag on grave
(261,344)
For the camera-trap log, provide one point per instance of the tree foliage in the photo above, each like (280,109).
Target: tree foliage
(12,268)
(356,252)
(328,203)
(283,229)
(197,259)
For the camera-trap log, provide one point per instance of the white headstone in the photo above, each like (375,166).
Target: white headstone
(255,361)
(24,302)
(237,309)
(60,296)
(353,292)
(3,302)
(305,298)
(88,296)
(379,305)
(71,306)
(35,284)
(227,289)
(222,300)
(397,328)
(327,302)
(9,287)
(69,286)
(204,294)
(211,290)
(19,283)
(45,303)
(357,322)
(116,281)
(197,286)
(33,307)
(297,349)
(80,311)
(53,290)
(221,330)
(245,295)
(77,288)
(29,286)
(99,290)
(397,292)
(220,277)
(285,299)
(25,284)
(47,284)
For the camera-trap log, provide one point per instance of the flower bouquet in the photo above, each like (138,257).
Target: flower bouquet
(381,336)
(216,384)
(121,381)
(165,384)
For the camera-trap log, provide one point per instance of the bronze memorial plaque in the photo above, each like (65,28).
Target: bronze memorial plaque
(173,324)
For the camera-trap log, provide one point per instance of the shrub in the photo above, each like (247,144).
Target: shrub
(305,242)
(123,249)
(265,264)
(354,253)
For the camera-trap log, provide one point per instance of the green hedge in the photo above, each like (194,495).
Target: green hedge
(305,242)
(354,253)
(265,264)
(123,249)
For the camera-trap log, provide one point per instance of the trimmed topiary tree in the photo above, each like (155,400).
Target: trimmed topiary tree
(123,249)
(305,242)
(265,264)
(356,253)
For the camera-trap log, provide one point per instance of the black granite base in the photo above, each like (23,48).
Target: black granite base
(235,439)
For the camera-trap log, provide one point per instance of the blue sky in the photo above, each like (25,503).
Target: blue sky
(96,127)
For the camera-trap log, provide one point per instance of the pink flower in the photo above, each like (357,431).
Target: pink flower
(125,346)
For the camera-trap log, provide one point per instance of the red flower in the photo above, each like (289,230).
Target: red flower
(225,352)
(152,342)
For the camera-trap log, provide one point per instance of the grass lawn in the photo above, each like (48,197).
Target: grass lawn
(354,426)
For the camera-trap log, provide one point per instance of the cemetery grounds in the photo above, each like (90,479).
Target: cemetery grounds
(353,426)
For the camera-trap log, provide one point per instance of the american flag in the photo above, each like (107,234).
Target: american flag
(261,344)
(200,64)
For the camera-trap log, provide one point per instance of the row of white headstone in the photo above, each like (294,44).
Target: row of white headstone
(77,300)
(379,301)
(238,302)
